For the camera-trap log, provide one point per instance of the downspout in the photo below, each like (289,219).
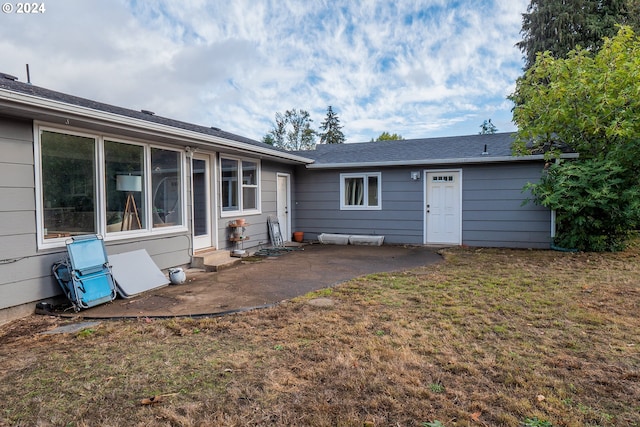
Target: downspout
(553,231)
(189,154)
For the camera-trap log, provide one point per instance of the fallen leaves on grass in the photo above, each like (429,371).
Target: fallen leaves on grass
(151,400)
(498,327)
(156,399)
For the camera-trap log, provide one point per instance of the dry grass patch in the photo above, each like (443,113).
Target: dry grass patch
(489,338)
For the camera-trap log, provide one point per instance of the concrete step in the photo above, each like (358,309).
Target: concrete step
(214,260)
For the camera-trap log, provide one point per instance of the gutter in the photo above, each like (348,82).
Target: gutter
(39,105)
(453,161)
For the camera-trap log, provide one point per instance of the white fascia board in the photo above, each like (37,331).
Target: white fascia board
(37,104)
(424,162)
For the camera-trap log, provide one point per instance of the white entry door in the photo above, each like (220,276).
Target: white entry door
(283,199)
(443,208)
(201,182)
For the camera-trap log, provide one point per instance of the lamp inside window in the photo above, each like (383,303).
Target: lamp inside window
(130,184)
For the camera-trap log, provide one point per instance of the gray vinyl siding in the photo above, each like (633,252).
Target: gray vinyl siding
(25,272)
(492,206)
(493,212)
(257,228)
(166,250)
(317,208)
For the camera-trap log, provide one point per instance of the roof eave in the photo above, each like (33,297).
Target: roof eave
(35,103)
(443,162)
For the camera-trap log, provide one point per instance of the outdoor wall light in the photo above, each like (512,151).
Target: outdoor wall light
(190,151)
(415,175)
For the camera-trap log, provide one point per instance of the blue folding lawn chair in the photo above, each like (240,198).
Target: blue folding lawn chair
(85,274)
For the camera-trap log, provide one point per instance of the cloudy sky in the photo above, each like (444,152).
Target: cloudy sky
(420,68)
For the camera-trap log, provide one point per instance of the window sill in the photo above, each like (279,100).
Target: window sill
(235,214)
(360,208)
(60,239)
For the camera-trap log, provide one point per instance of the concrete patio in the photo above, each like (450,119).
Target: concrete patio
(265,282)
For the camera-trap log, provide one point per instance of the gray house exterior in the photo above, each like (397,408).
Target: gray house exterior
(72,166)
(69,164)
(465,190)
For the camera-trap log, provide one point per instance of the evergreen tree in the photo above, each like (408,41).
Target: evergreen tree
(330,127)
(560,26)
(268,139)
(488,128)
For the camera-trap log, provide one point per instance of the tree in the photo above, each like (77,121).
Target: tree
(292,131)
(488,128)
(588,103)
(559,26)
(386,136)
(268,139)
(330,127)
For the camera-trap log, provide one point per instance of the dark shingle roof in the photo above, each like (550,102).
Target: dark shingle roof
(447,149)
(11,83)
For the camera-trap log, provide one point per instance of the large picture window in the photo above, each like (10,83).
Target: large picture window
(240,189)
(124,182)
(360,191)
(68,165)
(91,185)
(167,187)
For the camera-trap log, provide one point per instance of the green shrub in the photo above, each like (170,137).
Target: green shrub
(597,203)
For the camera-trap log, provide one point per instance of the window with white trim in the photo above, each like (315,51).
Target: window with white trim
(89,184)
(166,182)
(361,191)
(125,192)
(68,184)
(240,180)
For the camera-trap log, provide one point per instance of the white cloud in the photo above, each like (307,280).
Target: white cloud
(417,68)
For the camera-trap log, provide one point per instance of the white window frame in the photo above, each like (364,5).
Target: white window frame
(111,235)
(365,176)
(241,186)
(100,186)
(183,188)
